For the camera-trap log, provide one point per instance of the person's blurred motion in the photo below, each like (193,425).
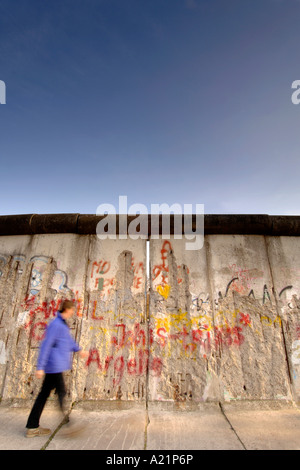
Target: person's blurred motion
(55,357)
(73,429)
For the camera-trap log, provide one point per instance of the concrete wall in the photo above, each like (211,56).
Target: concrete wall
(220,323)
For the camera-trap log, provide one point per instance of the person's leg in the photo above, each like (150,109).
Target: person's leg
(37,409)
(61,393)
(60,390)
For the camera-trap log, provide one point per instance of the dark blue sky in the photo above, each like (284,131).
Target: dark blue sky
(165,101)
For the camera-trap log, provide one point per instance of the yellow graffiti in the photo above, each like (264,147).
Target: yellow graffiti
(99,329)
(222,316)
(162,323)
(269,321)
(180,319)
(164,290)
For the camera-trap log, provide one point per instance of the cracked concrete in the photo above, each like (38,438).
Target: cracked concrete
(160,426)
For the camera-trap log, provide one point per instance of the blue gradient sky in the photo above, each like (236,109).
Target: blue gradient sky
(177,101)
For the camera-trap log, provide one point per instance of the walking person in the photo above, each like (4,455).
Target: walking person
(54,358)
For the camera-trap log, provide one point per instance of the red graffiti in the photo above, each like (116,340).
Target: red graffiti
(161,333)
(119,366)
(102,267)
(137,268)
(94,357)
(245,319)
(94,317)
(101,283)
(151,338)
(227,336)
(43,311)
(78,304)
(156,366)
(163,268)
(136,366)
(224,336)
(204,340)
(40,326)
(131,366)
(127,338)
(137,281)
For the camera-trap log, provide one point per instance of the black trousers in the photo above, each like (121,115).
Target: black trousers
(51,381)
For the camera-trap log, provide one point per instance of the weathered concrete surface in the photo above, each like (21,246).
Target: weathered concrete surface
(120,425)
(106,280)
(216,317)
(263,426)
(113,328)
(198,428)
(13,420)
(116,427)
(33,283)
(218,324)
(251,359)
(285,259)
(181,316)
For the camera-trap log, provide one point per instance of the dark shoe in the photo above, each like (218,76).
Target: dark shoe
(36,432)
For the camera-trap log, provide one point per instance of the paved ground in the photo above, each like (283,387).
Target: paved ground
(162,426)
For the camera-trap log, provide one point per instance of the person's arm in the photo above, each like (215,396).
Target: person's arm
(77,348)
(74,346)
(45,348)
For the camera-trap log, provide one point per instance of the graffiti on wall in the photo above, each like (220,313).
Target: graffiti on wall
(123,348)
(130,348)
(104,280)
(160,272)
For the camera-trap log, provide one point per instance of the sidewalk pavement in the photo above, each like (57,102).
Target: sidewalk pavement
(117,425)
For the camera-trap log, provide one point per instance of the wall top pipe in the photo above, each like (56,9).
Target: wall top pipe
(84,224)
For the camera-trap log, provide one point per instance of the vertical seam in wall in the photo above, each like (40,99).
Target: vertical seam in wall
(215,352)
(6,343)
(148,284)
(208,265)
(4,376)
(278,313)
(73,392)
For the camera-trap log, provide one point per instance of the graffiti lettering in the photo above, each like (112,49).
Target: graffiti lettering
(162,268)
(120,364)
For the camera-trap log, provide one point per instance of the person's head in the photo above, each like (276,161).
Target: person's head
(67,309)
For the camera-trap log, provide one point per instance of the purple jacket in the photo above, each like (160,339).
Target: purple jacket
(56,349)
